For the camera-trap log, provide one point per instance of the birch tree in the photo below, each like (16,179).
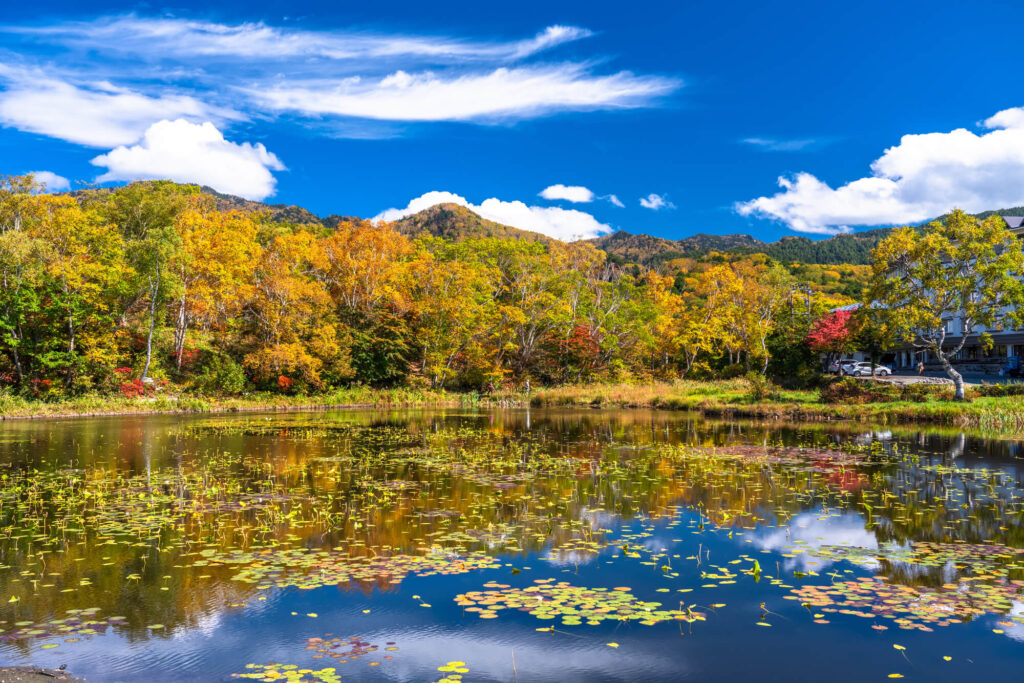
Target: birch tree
(963,274)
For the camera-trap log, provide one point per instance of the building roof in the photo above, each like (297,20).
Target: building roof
(1014,222)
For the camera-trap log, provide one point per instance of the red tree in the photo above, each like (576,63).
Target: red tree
(832,334)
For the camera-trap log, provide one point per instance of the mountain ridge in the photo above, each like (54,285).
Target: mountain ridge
(456,222)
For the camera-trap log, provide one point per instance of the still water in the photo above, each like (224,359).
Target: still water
(505,546)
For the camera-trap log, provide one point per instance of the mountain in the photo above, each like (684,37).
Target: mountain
(854,248)
(455,222)
(649,250)
(279,213)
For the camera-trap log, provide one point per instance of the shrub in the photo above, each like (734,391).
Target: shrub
(220,374)
(731,371)
(135,388)
(1011,389)
(855,391)
(760,388)
(188,358)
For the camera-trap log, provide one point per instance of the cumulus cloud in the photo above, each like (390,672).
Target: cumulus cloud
(500,94)
(52,181)
(194,153)
(656,202)
(777,145)
(94,115)
(570,193)
(615,200)
(922,177)
(562,224)
(162,36)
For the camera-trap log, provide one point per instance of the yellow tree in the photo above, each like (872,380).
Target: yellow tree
(214,267)
(760,297)
(365,269)
(962,276)
(297,335)
(710,319)
(84,266)
(454,296)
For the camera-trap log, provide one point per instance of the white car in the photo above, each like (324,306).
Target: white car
(863,369)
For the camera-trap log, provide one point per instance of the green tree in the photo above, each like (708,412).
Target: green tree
(146,214)
(963,275)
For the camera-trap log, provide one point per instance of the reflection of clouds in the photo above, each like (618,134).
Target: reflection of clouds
(570,557)
(491,657)
(812,531)
(866,438)
(1016,631)
(598,519)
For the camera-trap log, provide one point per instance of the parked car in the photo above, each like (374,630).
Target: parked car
(863,369)
(834,367)
(1011,368)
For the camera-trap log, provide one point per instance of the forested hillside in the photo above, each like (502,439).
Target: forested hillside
(455,222)
(853,248)
(157,284)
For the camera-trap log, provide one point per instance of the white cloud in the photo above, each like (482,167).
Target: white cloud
(52,181)
(336,79)
(922,177)
(614,200)
(656,202)
(500,94)
(194,153)
(562,224)
(162,36)
(570,193)
(97,115)
(776,145)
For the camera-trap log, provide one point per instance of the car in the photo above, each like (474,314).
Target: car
(863,369)
(1011,368)
(834,367)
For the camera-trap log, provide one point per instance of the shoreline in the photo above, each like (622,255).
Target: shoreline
(98,406)
(727,399)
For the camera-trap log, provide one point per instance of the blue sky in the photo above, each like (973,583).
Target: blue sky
(570,118)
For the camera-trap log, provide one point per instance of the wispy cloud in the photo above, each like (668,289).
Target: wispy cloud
(96,114)
(922,177)
(783,145)
(168,67)
(577,194)
(503,93)
(159,37)
(656,202)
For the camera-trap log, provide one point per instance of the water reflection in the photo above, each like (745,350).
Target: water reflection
(176,535)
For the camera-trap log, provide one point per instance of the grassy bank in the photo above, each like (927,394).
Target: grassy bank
(735,398)
(17,407)
(726,398)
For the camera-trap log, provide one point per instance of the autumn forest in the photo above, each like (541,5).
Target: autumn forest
(154,284)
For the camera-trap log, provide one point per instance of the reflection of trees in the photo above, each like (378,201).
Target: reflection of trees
(147,498)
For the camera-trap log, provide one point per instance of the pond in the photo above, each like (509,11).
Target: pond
(507,545)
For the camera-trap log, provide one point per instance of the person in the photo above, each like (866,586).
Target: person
(490,387)
(527,386)
(920,368)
